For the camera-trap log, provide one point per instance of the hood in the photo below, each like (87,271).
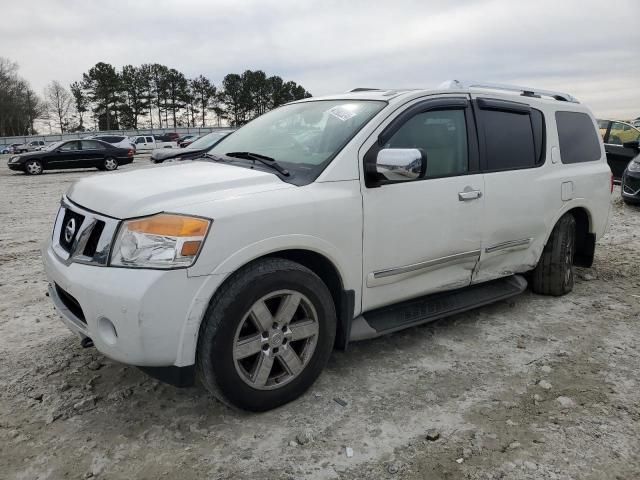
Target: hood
(167,153)
(25,156)
(168,188)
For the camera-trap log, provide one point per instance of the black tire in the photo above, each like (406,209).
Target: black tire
(33,167)
(554,273)
(227,309)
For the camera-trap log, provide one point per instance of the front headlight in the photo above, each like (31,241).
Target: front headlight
(159,241)
(634,166)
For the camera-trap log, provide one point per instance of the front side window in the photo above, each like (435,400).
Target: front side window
(621,133)
(139,140)
(302,137)
(442,134)
(70,146)
(578,138)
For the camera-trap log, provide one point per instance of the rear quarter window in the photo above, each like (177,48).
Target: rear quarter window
(578,138)
(512,135)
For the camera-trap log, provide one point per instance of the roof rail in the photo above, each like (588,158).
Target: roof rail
(524,91)
(364,89)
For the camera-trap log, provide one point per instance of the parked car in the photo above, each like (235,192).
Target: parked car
(636,123)
(189,141)
(615,135)
(72,154)
(120,141)
(401,207)
(630,184)
(150,142)
(194,150)
(186,138)
(4,149)
(182,138)
(171,136)
(30,146)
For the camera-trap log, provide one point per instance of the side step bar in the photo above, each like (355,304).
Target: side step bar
(432,307)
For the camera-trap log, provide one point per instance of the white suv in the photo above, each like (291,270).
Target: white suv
(326,221)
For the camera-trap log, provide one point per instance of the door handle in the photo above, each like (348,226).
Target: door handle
(469,194)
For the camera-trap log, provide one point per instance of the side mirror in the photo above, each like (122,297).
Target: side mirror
(401,164)
(635,145)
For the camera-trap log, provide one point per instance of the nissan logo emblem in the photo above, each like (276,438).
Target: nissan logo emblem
(70,230)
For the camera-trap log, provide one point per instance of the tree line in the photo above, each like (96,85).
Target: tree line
(19,104)
(144,96)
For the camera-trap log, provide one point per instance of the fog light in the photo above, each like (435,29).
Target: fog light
(107,331)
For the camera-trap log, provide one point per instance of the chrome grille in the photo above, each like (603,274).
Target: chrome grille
(82,236)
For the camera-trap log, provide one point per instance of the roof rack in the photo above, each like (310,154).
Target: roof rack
(365,89)
(524,91)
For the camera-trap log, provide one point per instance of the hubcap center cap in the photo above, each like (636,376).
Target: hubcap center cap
(275,338)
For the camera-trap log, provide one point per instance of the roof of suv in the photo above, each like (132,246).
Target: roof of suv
(452,86)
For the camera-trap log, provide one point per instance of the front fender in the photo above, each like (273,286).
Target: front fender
(189,337)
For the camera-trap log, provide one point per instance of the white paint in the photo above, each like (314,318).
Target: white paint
(360,230)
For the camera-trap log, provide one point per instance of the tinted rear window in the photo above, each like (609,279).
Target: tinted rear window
(509,141)
(578,137)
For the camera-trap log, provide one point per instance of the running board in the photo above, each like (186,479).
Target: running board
(432,307)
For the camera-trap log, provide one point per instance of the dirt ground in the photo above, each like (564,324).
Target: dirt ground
(530,388)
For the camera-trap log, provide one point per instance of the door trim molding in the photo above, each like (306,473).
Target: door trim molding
(434,264)
(519,244)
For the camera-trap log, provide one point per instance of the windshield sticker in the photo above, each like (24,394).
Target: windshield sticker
(341,113)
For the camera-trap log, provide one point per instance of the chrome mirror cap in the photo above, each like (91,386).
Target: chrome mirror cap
(400,164)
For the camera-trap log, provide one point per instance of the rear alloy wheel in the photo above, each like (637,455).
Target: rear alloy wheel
(267,335)
(110,164)
(554,273)
(33,167)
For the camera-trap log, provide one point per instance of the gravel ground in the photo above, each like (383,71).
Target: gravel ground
(534,387)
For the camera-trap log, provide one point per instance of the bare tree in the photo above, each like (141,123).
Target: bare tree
(19,105)
(60,103)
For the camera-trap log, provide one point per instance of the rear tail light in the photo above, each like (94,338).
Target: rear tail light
(130,154)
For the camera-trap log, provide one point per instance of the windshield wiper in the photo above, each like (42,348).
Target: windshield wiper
(210,156)
(270,162)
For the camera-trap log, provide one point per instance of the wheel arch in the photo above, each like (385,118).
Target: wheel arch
(585,237)
(318,262)
(322,266)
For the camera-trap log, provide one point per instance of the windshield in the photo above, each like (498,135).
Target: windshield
(208,140)
(303,137)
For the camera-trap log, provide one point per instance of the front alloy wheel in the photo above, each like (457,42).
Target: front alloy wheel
(33,167)
(271,350)
(267,335)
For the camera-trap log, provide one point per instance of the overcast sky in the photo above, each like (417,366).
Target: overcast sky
(590,48)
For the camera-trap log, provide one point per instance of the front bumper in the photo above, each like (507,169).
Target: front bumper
(134,316)
(15,166)
(630,185)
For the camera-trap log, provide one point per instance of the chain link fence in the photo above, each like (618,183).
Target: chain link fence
(56,137)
